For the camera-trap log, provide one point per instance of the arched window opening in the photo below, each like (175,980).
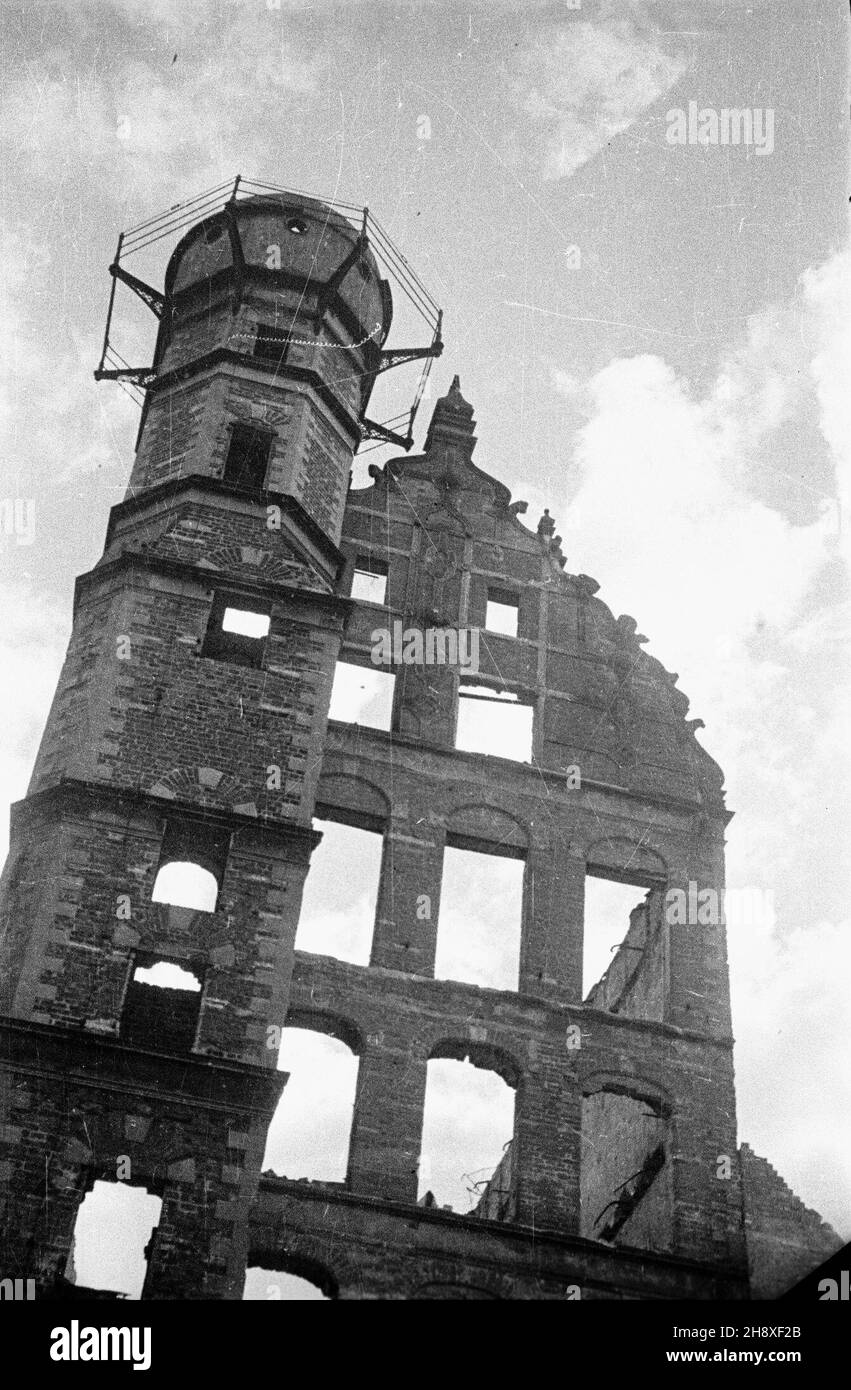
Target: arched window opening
(625,1177)
(111,1241)
(185,884)
(278,1285)
(309,1134)
(468,1124)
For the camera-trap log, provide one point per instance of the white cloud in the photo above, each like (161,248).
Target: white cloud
(586,82)
(159,116)
(679,512)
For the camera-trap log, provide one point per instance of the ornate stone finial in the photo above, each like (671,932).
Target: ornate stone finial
(452,421)
(517,507)
(627,630)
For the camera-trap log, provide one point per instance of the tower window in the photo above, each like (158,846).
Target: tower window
(271,344)
(237,631)
(297,226)
(369,582)
(111,1243)
(162,1006)
(248,457)
(214,232)
(246,623)
(184,884)
(192,865)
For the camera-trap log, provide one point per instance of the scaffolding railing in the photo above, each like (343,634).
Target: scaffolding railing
(201,206)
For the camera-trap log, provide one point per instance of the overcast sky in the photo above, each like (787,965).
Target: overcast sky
(655,338)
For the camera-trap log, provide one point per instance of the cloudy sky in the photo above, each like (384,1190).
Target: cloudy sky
(654,337)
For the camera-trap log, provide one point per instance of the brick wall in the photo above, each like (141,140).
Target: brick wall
(786,1240)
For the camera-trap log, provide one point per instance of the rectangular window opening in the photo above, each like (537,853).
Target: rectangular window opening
(162,1005)
(480,919)
(362,695)
(494,722)
(468,1127)
(272,344)
(503,612)
(237,631)
(111,1244)
(340,894)
(369,582)
(248,457)
(246,623)
(622,955)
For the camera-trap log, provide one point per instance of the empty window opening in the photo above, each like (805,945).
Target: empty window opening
(338,907)
(362,695)
(468,1122)
(502,613)
(625,1180)
(193,855)
(311,1128)
(111,1242)
(247,457)
(614,937)
(161,1006)
(183,884)
(369,582)
(245,623)
(271,344)
(167,974)
(237,631)
(274,1285)
(213,232)
(479,924)
(494,722)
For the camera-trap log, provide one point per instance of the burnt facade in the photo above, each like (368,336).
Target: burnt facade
(173,738)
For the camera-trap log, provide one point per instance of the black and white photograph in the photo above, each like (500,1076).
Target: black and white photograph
(424,615)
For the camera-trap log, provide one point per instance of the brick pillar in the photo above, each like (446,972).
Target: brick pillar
(388,1118)
(551,950)
(698,981)
(547,1133)
(405,935)
(705,1166)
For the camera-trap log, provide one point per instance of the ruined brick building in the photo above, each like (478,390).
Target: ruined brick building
(175,739)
